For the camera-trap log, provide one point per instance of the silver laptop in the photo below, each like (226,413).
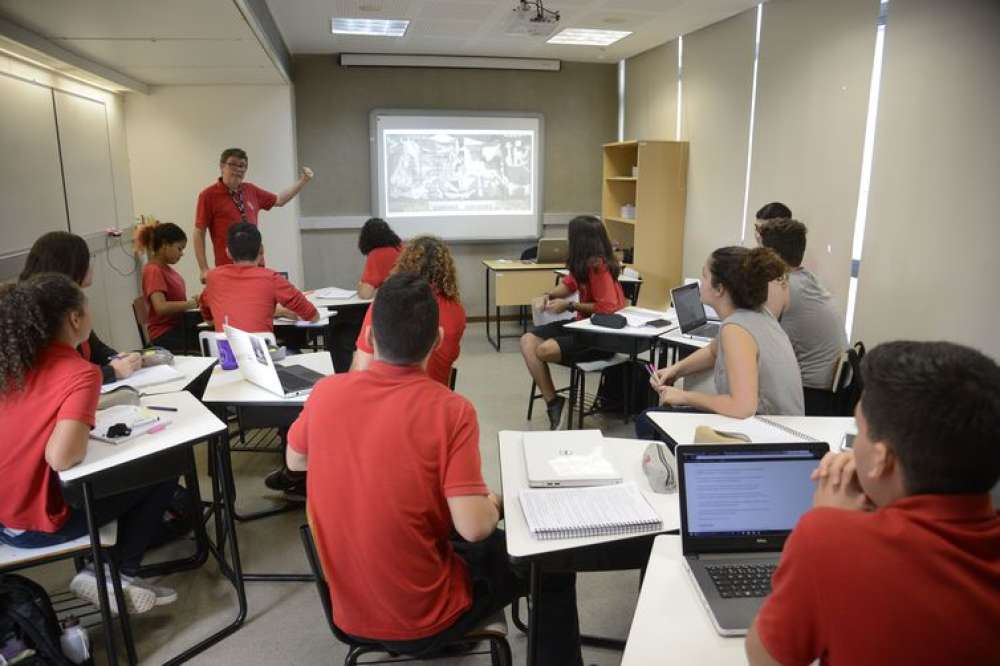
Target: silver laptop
(691,312)
(257,367)
(551,251)
(739,502)
(567,458)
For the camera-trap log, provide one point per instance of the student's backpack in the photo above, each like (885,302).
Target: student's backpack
(848,380)
(611,395)
(26,614)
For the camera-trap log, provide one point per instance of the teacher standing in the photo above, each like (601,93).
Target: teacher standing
(230,200)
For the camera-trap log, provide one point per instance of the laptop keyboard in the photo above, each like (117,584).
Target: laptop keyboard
(706,331)
(746,580)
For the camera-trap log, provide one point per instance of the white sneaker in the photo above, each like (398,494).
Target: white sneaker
(164,595)
(138,599)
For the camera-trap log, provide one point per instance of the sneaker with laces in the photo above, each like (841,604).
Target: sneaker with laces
(138,599)
(164,595)
(284,479)
(555,410)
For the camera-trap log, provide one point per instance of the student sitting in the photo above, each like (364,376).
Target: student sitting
(593,271)
(429,258)
(66,253)
(807,314)
(163,287)
(755,367)
(48,398)
(381,247)
(389,487)
(899,560)
(245,293)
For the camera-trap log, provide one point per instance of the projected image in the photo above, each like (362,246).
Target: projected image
(458,172)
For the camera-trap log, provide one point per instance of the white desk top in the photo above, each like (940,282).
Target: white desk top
(634,313)
(192,422)
(189,366)
(670,625)
(229,387)
(627,279)
(625,454)
(336,302)
(674,336)
(681,426)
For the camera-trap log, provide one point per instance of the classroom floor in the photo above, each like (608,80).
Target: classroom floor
(285,623)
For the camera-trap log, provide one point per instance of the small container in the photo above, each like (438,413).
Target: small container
(74,641)
(227,359)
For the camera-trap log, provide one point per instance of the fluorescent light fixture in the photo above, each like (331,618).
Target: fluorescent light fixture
(588,37)
(369,27)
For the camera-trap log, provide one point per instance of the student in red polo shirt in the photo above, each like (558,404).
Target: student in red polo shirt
(66,253)
(389,486)
(163,287)
(48,396)
(593,271)
(899,561)
(229,200)
(381,247)
(429,258)
(245,293)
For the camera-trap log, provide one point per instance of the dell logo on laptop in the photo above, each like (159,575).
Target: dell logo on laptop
(761,540)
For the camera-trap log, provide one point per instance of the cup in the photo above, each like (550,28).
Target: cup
(227,359)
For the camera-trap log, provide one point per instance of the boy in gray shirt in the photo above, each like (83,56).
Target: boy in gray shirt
(807,315)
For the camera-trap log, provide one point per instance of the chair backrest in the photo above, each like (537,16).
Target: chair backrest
(453,378)
(530,253)
(316,567)
(140,308)
(847,384)
(208,341)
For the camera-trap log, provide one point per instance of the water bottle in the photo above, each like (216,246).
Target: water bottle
(227,359)
(74,641)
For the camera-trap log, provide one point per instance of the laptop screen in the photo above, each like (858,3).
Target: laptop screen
(747,494)
(687,303)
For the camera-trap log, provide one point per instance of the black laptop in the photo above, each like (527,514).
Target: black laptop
(739,502)
(691,312)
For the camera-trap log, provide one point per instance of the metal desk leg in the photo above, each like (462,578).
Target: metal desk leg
(102,583)
(495,343)
(534,577)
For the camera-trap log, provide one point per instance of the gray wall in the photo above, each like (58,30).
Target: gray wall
(332,103)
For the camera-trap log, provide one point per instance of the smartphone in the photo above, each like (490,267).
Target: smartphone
(658,323)
(848,442)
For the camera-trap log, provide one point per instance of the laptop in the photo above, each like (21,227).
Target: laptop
(691,312)
(551,251)
(739,502)
(257,367)
(567,459)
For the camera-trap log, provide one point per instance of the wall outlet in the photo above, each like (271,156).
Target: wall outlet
(115,233)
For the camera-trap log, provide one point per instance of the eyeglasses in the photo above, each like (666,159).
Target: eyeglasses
(236,165)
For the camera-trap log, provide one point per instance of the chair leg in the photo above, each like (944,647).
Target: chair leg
(500,652)
(515,615)
(531,399)
(573,373)
(583,394)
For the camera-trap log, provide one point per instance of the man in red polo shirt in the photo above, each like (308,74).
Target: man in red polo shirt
(394,473)
(899,561)
(229,200)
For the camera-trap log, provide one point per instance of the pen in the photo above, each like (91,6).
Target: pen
(161,409)
(650,369)
(158,427)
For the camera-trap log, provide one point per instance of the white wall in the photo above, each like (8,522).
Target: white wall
(175,136)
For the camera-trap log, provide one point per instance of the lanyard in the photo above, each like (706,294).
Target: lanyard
(237,197)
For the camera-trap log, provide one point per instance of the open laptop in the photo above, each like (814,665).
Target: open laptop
(258,368)
(567,459)
(739,502)
(551,251)
(691,312)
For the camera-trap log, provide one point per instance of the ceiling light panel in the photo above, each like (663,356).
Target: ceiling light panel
(588,37)
(369,27)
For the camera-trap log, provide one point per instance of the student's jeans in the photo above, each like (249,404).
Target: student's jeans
(820,402)
(140,520)
(495,586)
(172,340)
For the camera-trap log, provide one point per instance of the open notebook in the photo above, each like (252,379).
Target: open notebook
(149,376)
(563,513)
(753,429)
(136,419)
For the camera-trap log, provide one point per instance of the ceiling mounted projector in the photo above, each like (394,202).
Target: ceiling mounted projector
(531,18)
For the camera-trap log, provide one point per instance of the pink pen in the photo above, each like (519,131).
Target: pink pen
(158,427)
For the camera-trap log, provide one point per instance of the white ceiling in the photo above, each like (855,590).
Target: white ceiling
(159,42)
(476,27)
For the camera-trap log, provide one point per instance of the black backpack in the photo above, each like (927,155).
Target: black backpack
(26,613)
(610,392)
(849,384)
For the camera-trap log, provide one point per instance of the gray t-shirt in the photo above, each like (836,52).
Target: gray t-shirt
(779,384)
(815,329)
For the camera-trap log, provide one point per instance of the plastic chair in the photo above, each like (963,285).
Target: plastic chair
(494,629)
(453,378)
(140,309)
(847,379)
(16,559)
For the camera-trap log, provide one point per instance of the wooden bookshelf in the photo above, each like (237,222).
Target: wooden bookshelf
(652,176)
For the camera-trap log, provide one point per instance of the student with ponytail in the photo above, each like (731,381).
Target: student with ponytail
(66,253)
(163,287)
(48,400)
(754,364)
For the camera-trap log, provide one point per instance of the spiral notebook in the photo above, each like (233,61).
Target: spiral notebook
(760,429)
(564,513)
